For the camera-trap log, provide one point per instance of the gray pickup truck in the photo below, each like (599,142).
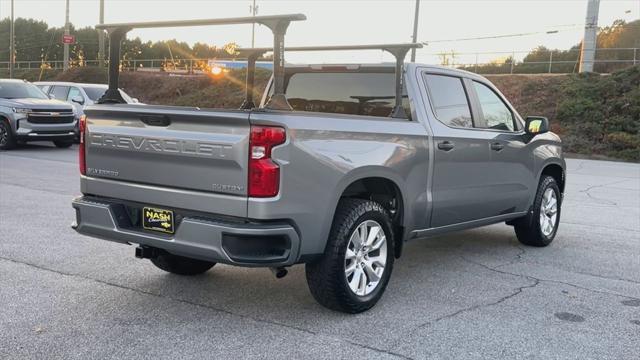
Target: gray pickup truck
(336,168)
(27,114)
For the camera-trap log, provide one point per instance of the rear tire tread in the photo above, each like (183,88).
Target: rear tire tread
(180,265)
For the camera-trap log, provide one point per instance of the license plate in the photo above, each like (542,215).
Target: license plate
(158,220)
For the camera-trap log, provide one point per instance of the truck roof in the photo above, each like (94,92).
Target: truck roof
(381,67)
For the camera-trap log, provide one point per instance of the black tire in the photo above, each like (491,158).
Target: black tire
(180,265)
(63,144)
(528,229)
(326,276)
(7,139)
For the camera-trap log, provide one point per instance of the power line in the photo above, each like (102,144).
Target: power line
(498,36)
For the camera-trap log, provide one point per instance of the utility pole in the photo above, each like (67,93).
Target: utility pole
(588,51)
(415,30)
(253,9)
(12,44)
(101,37)
(66,32)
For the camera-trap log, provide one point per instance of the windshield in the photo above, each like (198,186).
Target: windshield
(95,93)
(20,90)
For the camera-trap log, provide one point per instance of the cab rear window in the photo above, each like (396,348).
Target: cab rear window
(360,93)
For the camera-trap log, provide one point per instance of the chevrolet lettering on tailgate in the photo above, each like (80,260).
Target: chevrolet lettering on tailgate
(157,145)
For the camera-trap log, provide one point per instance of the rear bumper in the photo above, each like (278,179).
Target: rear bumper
(205,238)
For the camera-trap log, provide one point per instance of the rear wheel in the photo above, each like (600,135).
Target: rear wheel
(180,265)
(540,228)
(355,268)
(63,144)
(7,140)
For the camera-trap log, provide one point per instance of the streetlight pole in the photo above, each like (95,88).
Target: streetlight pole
(101,37)
(66,32)
(254,11)
(415,30)
(588,51)
(12,44)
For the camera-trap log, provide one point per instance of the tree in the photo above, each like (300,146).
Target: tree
(36,41)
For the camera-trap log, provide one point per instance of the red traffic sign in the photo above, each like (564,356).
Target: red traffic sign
(68,39)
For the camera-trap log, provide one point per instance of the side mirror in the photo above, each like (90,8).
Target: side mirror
(78,100)
(135,101)
(535,125)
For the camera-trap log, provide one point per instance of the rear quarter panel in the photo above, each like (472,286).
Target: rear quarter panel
(325,153)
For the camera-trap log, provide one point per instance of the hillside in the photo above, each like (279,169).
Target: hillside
(596,115)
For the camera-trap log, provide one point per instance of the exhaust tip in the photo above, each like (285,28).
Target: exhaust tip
(279,272)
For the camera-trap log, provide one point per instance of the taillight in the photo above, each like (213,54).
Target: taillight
(82,161)
(264,173)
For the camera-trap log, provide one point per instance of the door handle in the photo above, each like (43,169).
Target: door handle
(497,146)
(446,145)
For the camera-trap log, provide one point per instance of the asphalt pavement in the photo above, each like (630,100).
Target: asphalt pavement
(474,294)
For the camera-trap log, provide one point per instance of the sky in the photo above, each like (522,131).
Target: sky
(332,22)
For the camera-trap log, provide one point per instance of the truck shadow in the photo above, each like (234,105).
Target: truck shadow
(427,267)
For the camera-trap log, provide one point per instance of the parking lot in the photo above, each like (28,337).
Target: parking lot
(472,294)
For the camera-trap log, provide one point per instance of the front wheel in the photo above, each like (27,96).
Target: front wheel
(354,271)
(540,228)
(7,140)
(180,265)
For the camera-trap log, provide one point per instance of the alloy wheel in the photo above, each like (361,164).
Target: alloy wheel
(548,212)
(365,258)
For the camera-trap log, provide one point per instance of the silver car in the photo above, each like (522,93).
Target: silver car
(80,95)
(27,114)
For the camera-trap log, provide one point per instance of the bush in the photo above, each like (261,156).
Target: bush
(601,114)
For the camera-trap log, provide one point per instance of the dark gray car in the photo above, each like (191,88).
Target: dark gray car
(27,114)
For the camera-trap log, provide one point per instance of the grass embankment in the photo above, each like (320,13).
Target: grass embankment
(185,90)
(596,115)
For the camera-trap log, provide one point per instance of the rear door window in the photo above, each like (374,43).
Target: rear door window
(449,100)
(355,93)
(74,92)
(59,92)
(94,93)
(44,88)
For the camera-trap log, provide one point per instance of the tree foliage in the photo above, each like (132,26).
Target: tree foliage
(615,46)
(36,41)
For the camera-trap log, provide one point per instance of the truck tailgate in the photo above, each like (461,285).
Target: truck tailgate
(176,148)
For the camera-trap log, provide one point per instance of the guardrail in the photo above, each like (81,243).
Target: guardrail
(510,62)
